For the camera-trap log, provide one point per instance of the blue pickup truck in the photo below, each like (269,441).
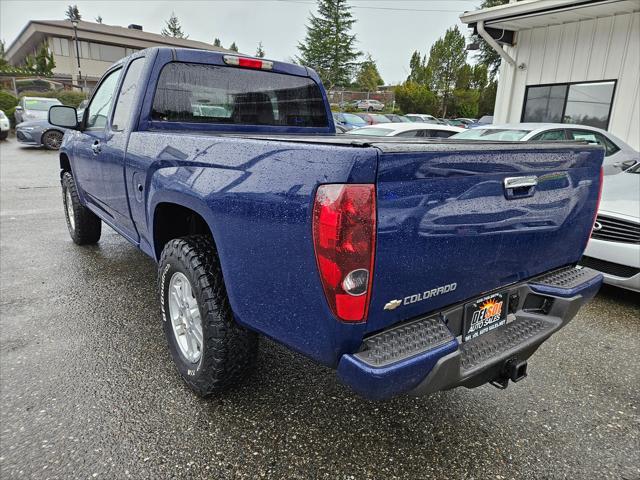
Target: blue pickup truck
(408,265)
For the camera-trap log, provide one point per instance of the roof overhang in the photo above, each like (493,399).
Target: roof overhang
(542,13)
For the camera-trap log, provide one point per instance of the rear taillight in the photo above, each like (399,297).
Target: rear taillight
(344,229)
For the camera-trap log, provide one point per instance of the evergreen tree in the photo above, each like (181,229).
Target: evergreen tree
(329,46)
(446,58)
(487,55)
(98,19)
(260,51)
(368,76)
(233,47)
(173,28)
(217,42)
(419,73)
(73,13)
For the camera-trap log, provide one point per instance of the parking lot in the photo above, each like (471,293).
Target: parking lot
(88,389)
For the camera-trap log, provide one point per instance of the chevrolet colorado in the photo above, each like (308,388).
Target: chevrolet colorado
(408,265)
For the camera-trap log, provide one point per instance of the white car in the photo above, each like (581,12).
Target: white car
(617,157)
(614,247)
(4,126)
(421,118)
(410,130)
(370,105)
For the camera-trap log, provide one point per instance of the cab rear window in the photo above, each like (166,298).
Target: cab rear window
(199,93)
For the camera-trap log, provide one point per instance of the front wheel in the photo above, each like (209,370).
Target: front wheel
(84,226)
(210,349)
(52,139)
(370,109)
(4,135)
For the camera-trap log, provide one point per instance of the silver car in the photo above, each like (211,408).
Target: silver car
(40,133)
(618,155)
(614,247)
(34,108)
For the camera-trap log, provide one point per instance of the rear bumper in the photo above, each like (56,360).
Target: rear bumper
(423,356)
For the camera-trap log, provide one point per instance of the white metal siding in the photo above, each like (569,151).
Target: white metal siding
(606,48)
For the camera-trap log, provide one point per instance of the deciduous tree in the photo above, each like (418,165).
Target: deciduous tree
(446,58)
(368,77)
(260,51)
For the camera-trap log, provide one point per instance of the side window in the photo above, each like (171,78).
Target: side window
(442,133)
(551,135)
(124,103)
(594,137)
(410,133)
(101,102)
(609,146)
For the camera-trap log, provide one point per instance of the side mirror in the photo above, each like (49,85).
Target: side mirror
(63,116)
(18,108)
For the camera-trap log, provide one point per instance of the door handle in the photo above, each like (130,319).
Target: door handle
(96,147)
(520,187)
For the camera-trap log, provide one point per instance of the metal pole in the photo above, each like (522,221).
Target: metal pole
(75,36)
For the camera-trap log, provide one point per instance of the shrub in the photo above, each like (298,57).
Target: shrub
(414,98)
(71,98)
(67,97)
(7,101)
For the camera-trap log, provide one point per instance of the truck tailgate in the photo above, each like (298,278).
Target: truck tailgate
(451,229)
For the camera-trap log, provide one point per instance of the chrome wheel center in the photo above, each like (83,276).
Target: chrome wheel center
(69,206)
(185,317)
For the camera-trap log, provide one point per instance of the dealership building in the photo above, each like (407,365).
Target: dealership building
(98,47)
(566,61)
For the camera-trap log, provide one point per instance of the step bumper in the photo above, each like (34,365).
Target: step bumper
(423,356)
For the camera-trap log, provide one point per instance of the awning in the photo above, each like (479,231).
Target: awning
(541,13)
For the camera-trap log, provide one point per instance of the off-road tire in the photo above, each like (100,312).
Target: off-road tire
(228,350)
(52,139)
(86,226)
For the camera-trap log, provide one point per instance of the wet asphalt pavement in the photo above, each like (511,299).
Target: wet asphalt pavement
(88,389)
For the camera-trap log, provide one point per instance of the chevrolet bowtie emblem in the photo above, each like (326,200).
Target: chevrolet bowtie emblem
(393,304)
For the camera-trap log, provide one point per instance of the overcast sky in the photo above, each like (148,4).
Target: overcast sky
(388,29)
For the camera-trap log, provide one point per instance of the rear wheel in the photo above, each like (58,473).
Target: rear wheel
(52,139)
(209,348)
(84,226)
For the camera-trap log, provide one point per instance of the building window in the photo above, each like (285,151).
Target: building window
(586,103)
(60,46)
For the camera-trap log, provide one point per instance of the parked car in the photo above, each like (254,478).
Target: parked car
(40,133)
(370,105)
(410,130)
(456,122)
(5,126)
(34,108)
(397,118)
(614,247)
(265,233)
(485,120)
(421,118)
(348,120)
(373,118)
(618,155)
(341,129)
